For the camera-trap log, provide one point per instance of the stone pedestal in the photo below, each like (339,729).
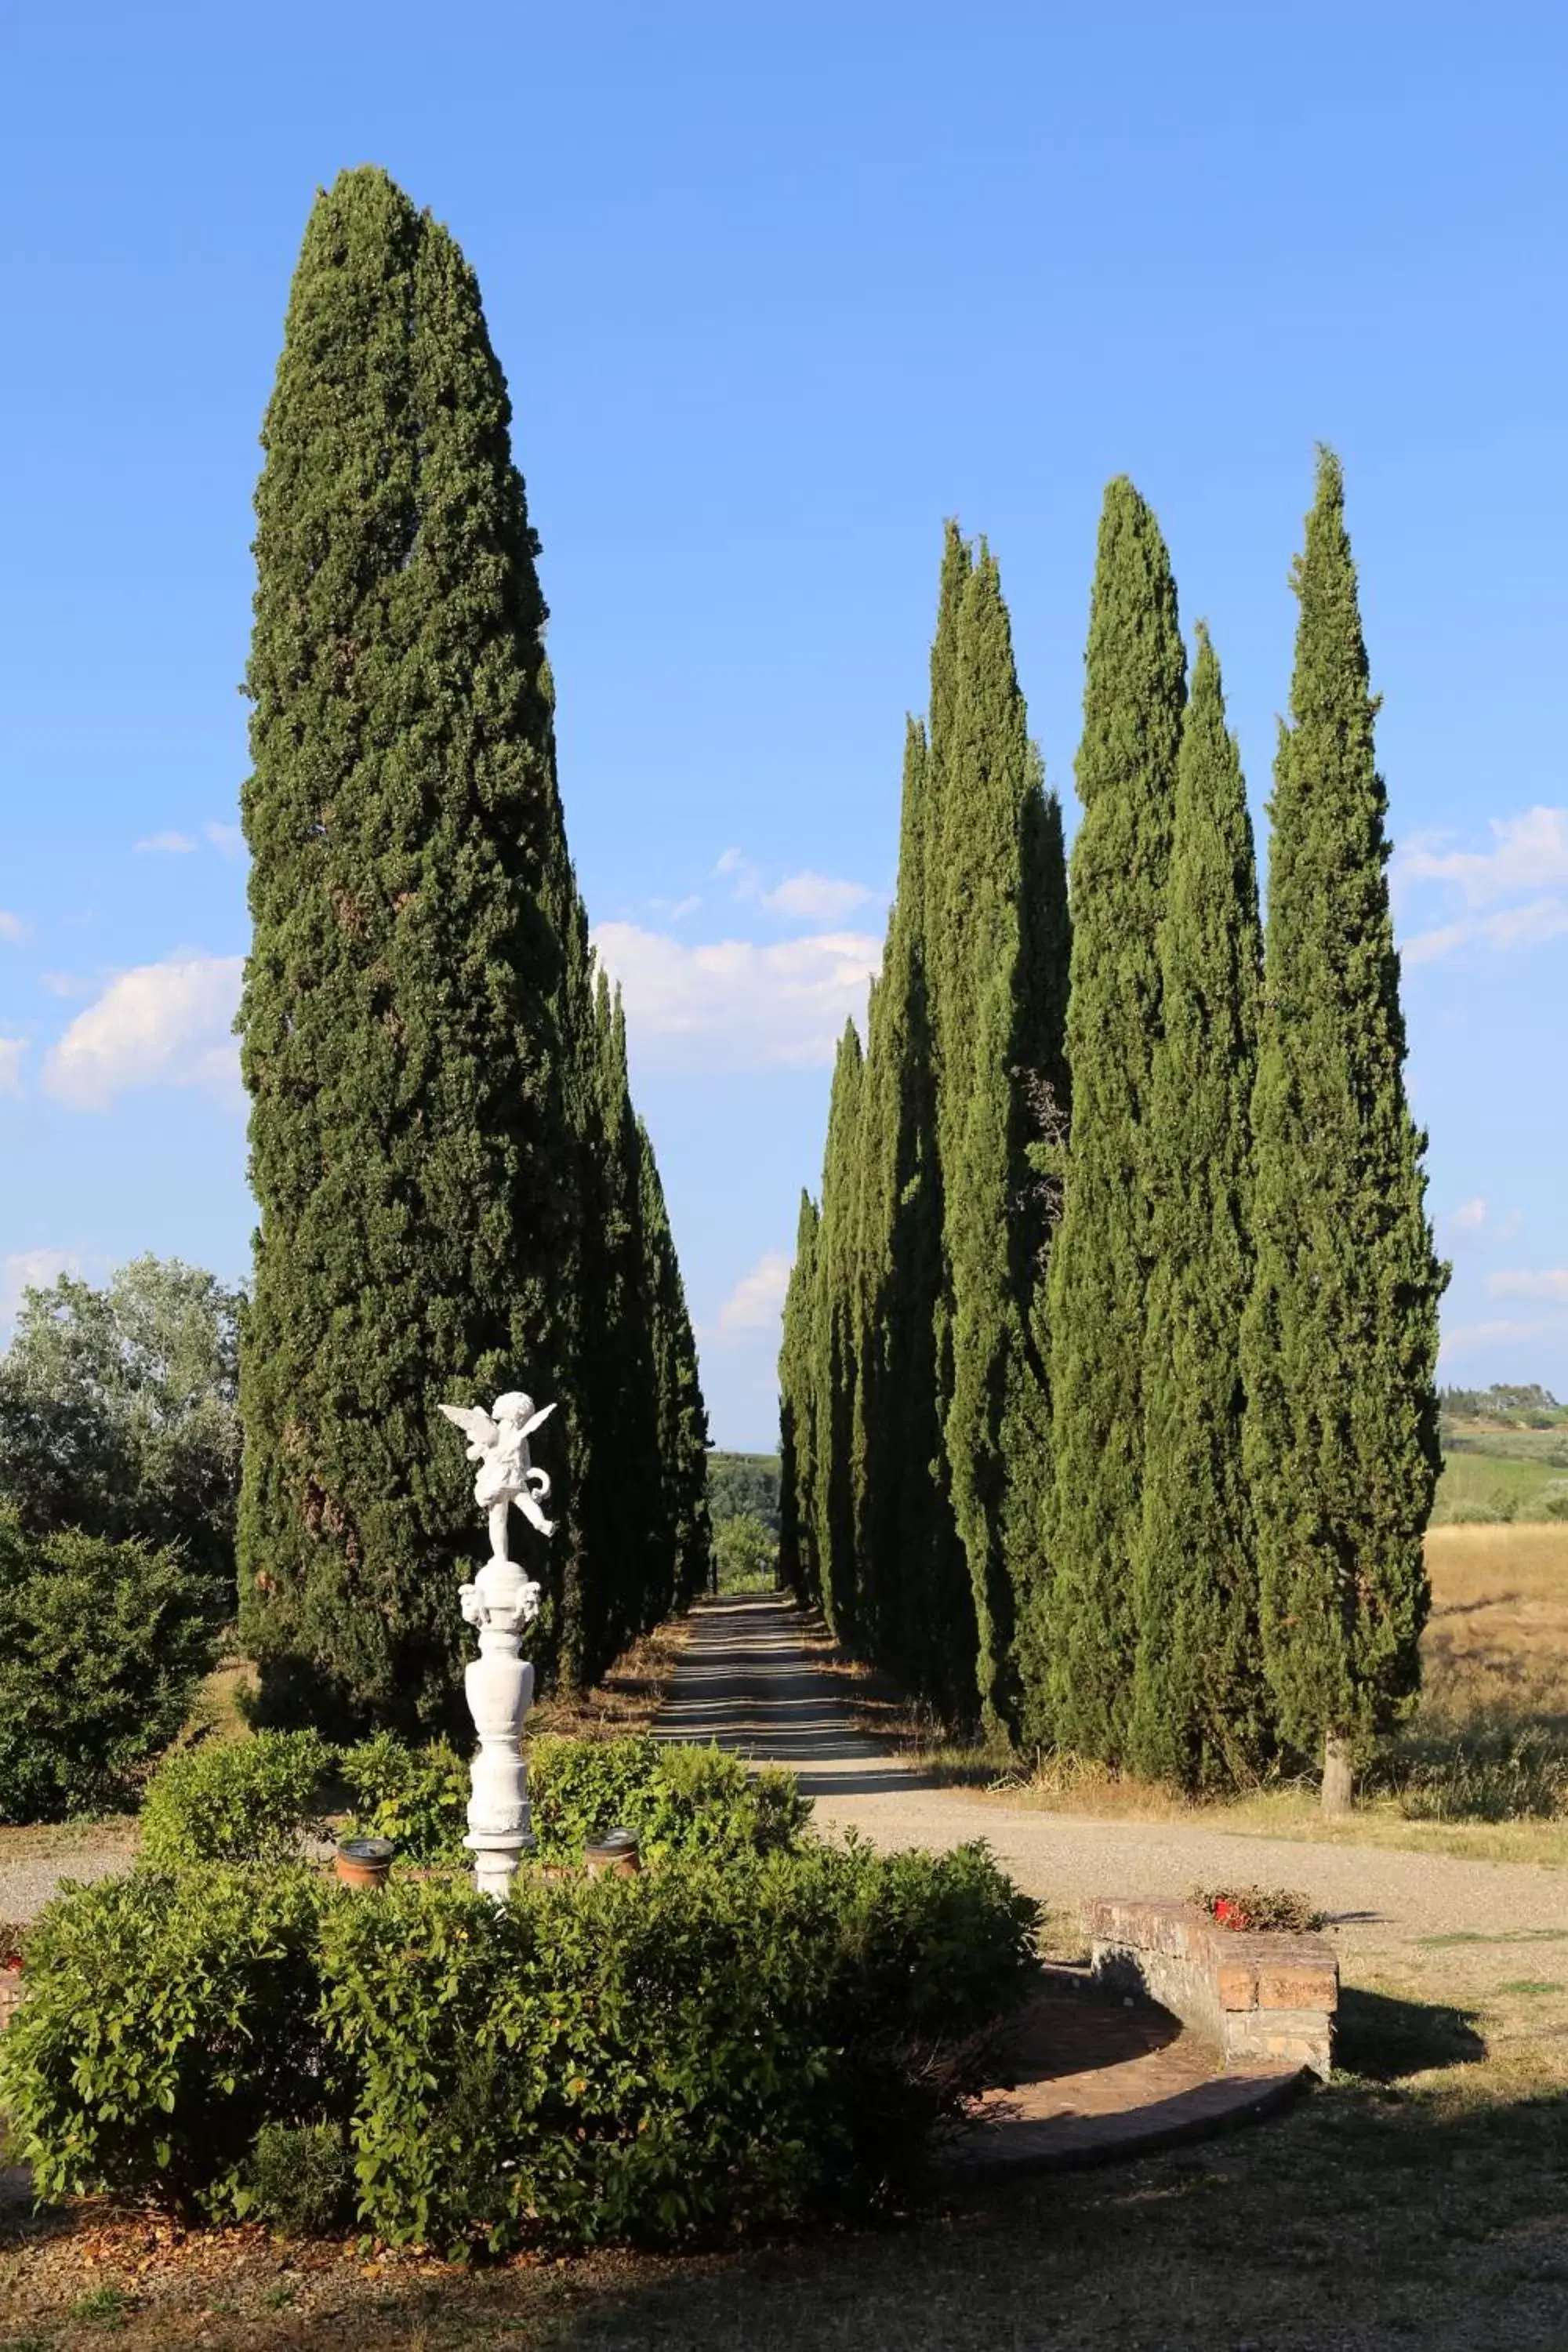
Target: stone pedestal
(499,1686)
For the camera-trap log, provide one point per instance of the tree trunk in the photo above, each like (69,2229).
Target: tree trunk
(1338,1778)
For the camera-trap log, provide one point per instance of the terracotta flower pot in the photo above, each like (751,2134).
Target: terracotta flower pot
(615,1852)
(364,1862)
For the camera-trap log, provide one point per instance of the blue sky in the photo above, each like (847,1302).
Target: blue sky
(775,291)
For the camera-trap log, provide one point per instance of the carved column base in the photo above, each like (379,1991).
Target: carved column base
(500,1688)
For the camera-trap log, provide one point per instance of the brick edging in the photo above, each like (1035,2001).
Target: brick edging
(1261,1995)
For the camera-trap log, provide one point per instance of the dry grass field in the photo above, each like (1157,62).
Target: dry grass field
(1498,1636)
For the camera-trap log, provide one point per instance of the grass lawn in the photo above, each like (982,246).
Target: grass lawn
(1489,1481)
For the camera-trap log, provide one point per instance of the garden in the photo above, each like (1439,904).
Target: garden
(754,2027)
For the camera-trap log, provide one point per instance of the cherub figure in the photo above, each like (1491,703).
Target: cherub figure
(497,1442)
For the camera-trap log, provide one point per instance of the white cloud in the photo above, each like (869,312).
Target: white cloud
(1511,927)
(1469,1215)
(165,845)
(228,840)
(1465,1338)
(34,1269)
(12,927)
(159,1025)
(735,1005)
(11,1052)
(1529,854)
(757,1300)
(1550,1282)
(64,983)
(747,875)
(817,898)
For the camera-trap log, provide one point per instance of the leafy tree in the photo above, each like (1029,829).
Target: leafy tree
(745,1485)
(1134,694)
(119,1414)
(798,1416)
(1340,1333)
(745,1555)
(1199,1712)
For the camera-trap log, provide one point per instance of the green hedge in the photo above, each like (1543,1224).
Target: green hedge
(250,1800)
(237,1801)
(710,2044)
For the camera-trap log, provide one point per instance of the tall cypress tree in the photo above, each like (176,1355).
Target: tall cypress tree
(681,1558)
(1198,1711)
(922,1623)
(834,1340)
(952,1634)
(1340,1333)
(416,1019)
(623,1499)
(1133,698)
(797,1416)
(996,1424)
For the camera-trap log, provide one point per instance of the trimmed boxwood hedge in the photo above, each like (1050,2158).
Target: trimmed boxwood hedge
(251,1800)
(713,2043)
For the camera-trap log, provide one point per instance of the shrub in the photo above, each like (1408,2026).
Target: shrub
(167,2019)
(102,1647)
(299,2177)
(675,1801)
(703,2046)
(418,1797)
(240,1800)
(644,2058)
(1497,1771)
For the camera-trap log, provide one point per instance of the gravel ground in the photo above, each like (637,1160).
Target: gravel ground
(746,1680)
(27,1880)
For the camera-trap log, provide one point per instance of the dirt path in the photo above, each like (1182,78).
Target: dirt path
(746,1680)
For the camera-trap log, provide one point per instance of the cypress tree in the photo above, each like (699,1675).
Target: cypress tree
(627,1531)
(797,1417)
(1198,1712)
(996,1401)
(834,1337)
(952,1634)
(685,1533)
(1340,1333)
(922,1620)
(1133,698)
(417,995)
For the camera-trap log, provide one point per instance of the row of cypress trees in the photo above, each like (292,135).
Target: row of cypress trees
(1107,1402)
(455,1194)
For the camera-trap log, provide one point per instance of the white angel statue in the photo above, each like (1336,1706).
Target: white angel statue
(497,1442)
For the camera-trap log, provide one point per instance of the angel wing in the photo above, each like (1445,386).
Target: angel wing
(529,1426)
(474,1422)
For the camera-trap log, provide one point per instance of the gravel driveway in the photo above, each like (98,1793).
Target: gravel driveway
(746,1680)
